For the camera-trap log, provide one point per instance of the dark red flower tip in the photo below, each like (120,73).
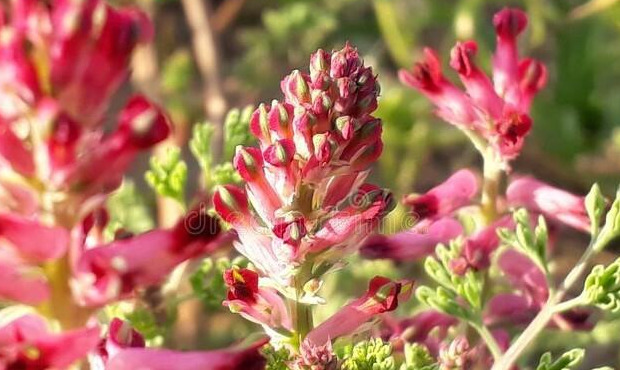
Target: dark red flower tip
(461,57)
(509,23)
(249,162)
(422,206)
(242,284)
(425,75)
(143,122)
(280,154)
(383,293)
(533,75)
(122,334)
(230,202)
(291,232)
(514,126)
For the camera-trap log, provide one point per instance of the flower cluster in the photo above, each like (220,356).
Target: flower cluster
(305,204)
(497,111)
(61,62)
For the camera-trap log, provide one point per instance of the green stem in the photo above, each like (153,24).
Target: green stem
(490,341)
(387,18)
(490,189)
(552,306)
(301,312)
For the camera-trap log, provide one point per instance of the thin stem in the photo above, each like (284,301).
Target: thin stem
(490,341)
(544,316)
(490,189)
(301,312)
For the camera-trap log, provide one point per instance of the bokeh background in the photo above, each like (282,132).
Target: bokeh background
(210,56)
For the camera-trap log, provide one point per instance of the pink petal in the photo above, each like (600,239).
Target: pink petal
(554,203)
(33,240)
(413,244)
(160,359)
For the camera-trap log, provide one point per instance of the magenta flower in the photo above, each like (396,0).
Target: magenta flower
(110,272)
(533,292)
(258,304)
(555,204)
(427,327)
(414,244)
(304,190)
(496,111)
(161,359)
(382,296)
(27,343)
(442,200)
(123,349)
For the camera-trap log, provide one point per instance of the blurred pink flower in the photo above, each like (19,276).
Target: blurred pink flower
(555,204)
(382,296)
(27,343)
(442,200)
(413,244)
(497,110)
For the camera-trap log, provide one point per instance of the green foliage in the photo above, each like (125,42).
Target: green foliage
(223,174)
(567,361)
(276,359)
(200,144)
(168,175)
(127,211)
(177,72)
(146,324)
(602,287)
(372,354)
(237,129)
(531,242)
(208,282)
(417,357)
(451,285)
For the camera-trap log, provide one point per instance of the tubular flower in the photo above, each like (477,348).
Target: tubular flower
(495,110)
(382,296)
(555,204)
(124,349)
(258,304)
(27,343)
(457,191)
(304,190)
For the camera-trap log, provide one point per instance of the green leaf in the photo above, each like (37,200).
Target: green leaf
(237,130)
(168,175)
(277,359)
(602,287)
(207,281)
(567,361)
(128,211)
(531,242)
(200,144)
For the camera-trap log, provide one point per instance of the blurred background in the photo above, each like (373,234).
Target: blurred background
(210,56)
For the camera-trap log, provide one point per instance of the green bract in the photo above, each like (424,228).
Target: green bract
(566,361)
(602,287)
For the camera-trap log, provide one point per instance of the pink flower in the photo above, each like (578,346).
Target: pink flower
(413,244)
(26,343)
(382,296)
(427,327)
(442,200)
(555,204)
(120,336)
(161,359)
(533,292)
(498,110)
(478,248)
(258,304)
(31,240)
(304,192)
(109,272)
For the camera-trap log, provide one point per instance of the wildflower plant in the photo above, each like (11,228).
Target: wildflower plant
(81,262)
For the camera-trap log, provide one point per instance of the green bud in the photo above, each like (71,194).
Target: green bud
(602,287)
(595,206)
(612,225)
(566,361)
